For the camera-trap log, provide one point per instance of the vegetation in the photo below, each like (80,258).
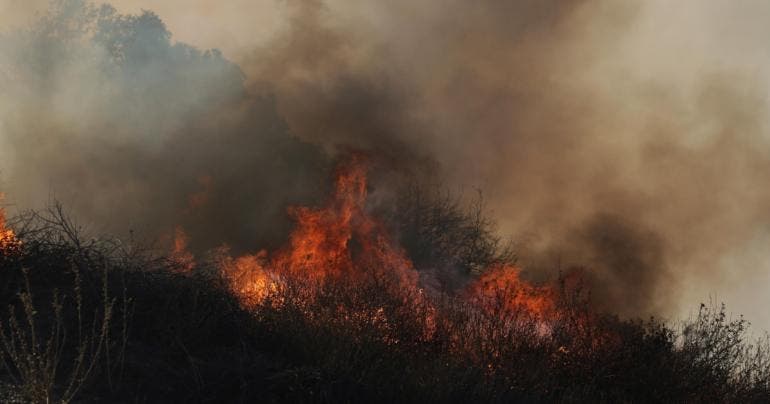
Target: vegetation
(98,319)
(94,319)
(444,238)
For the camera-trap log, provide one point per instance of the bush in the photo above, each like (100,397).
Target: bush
(98,319)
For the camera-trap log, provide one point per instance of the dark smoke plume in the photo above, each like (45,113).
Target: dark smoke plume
(584,156)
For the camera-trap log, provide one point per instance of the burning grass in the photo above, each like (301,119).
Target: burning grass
(338,314)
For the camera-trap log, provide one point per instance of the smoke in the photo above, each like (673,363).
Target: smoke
(628,138)
(494,96)
(601,136)
(134,132)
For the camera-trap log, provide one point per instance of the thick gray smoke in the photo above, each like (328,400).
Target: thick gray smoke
(603,134)
(591,149)
(132,131)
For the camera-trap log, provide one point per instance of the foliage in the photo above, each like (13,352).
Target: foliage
(446,238)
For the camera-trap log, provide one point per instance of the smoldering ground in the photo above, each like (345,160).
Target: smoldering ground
(602,134)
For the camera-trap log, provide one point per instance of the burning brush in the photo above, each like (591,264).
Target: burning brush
(342,241)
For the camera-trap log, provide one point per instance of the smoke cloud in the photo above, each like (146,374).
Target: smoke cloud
(132,131)
(628,138)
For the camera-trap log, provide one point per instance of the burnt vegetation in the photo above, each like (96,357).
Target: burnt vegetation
(105,320)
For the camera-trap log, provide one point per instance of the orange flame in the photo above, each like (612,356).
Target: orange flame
(183,260)
(341,242)
(501,289)
(339,239)
(248,277)
(8,241)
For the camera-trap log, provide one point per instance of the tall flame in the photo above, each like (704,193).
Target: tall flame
(341,239)
(337,240)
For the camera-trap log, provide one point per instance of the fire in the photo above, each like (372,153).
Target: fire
(248,277)
(182,259)
(340,250)
(337,240)
(341,239)
(501,289)
(8,241)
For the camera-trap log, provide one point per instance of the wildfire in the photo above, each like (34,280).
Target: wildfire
(341,239)
(336,240)
(340,250)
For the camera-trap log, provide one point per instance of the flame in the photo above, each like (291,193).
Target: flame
(337,240)
(9,243)
(501,289)
(341,239)
(181,257)
(248,277)
(339,244)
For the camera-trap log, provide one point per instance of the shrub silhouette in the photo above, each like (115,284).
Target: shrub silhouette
(148,333)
